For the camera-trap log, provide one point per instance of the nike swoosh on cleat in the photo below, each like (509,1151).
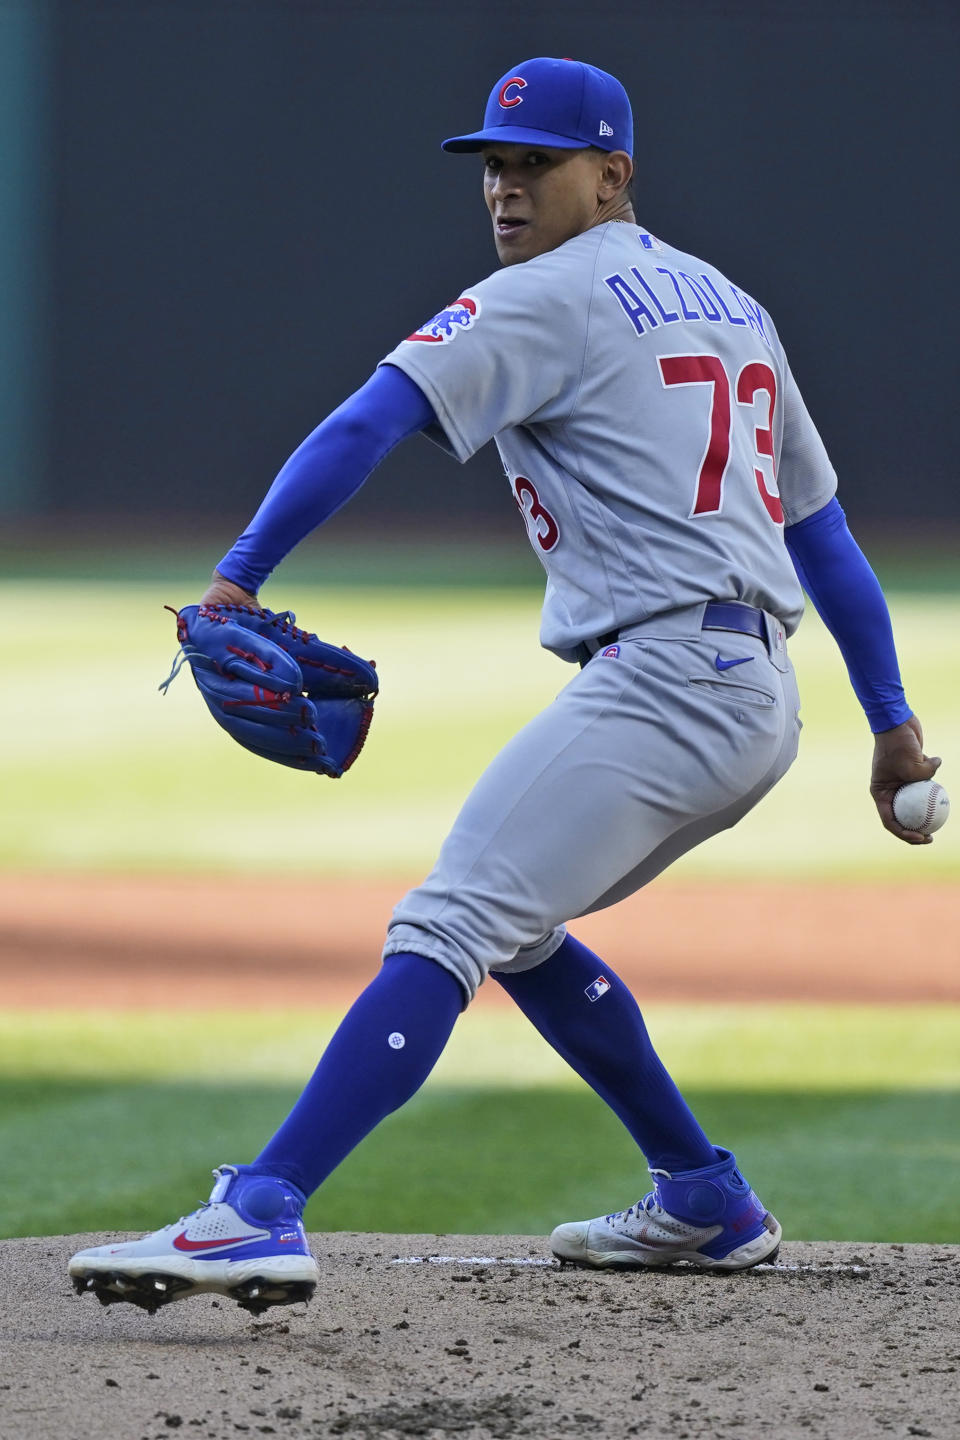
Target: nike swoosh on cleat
(182,1243)
(726,664)
(651,1241)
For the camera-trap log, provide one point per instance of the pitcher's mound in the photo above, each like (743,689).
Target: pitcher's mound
(479,1336)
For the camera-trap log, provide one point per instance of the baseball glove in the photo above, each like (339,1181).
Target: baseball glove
(276,689)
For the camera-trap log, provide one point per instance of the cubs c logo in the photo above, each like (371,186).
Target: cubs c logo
(458,315)
(507,102)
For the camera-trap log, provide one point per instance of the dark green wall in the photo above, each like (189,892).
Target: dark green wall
(25,236)
(251,208)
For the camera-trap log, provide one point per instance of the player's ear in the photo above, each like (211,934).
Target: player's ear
(615,175)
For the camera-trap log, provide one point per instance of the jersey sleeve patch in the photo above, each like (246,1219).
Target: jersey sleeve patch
(459,315)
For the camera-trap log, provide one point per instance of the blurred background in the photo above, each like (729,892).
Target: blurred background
(215,218)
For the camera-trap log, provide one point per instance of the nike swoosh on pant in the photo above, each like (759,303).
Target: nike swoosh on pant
(726,664)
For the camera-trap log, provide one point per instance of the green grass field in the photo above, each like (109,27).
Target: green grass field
(846,1119)
(99,773)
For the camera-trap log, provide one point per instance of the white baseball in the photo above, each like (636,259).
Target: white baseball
(922,806)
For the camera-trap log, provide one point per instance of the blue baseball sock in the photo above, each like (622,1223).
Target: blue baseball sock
(383,1050)
(605,1040)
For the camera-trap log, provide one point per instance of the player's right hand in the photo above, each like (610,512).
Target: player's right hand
(898,759)
(222,591)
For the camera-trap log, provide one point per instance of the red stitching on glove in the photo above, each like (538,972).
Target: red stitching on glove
(358,744)
(262,700)
(249,655)
(325,665)
(212,612)
(286,628)
(371,663)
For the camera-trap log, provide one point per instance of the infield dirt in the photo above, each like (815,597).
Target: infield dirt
(129,941)
(841,1341)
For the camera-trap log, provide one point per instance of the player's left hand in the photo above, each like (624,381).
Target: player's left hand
(898,759)
(276,689)
(222,591)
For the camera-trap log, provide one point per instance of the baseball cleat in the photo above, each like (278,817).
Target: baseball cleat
(246,1242)
(708,1217)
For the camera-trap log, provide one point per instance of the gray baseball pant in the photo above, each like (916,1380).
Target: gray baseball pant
(642,756)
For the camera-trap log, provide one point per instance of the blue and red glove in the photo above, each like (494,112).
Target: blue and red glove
(275,688)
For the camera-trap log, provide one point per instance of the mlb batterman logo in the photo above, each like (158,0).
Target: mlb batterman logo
(599,987)
(459,315)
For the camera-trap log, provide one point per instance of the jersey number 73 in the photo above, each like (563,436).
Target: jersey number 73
(753,378)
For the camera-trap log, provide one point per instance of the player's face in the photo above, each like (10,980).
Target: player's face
(538,198)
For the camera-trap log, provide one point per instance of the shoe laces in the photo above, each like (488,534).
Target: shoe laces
(217,1174)
(647,1206)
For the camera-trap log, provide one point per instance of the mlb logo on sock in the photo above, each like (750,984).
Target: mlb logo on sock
(599,987)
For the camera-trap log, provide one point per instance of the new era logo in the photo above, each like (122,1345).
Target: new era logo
(599,987)
(605,129)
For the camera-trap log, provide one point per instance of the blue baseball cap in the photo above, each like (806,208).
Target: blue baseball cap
(565,104)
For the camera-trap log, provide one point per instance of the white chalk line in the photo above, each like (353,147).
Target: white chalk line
(778,1266)
(825,1269)
(468,1260)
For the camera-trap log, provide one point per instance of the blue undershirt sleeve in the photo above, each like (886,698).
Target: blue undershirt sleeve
(837,576)
(329,467)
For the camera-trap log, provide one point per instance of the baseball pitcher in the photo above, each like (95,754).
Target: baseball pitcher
(677,494)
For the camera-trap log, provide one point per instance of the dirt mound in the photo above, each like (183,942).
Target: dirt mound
(487,1339)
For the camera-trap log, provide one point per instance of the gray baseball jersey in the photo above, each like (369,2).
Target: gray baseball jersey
(648,422)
